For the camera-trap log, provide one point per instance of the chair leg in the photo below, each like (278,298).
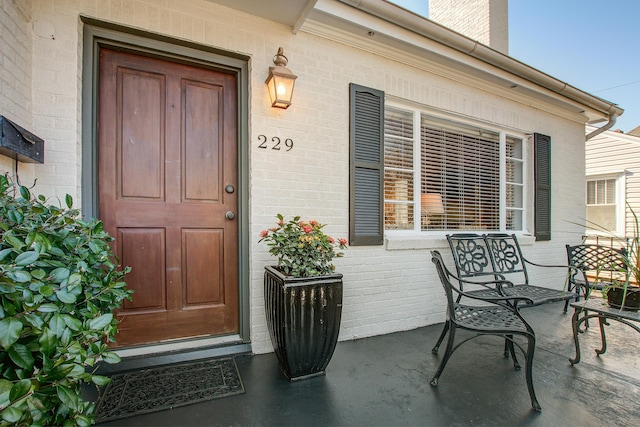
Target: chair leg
(576,299)
(442,335)
(529,374)
(508,343)
(447,355)
(587,294)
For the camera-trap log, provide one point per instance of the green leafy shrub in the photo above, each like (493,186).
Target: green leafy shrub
(59,286)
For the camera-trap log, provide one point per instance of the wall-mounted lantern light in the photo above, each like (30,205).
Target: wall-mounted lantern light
(280,82)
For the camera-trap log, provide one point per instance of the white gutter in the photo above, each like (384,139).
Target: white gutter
(598,131)
(434,31)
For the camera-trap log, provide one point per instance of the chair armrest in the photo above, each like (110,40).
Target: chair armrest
(500,299)
(486,283)
(545,265)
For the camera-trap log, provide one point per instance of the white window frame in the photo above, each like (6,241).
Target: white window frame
(503,132)
(621,220)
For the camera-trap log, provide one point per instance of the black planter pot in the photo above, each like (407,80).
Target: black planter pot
(303,318)
(631,302)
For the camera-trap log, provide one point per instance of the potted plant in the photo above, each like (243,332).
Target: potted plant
(59,286)
(303,296)
(623,291)
(625,294)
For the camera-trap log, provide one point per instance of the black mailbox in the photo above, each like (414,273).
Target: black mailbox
(19,143)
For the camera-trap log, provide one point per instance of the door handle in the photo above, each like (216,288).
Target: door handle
(229,215)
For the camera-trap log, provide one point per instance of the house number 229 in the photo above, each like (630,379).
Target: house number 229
(275,144)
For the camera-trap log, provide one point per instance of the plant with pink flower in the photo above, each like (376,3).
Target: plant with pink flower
(302,248)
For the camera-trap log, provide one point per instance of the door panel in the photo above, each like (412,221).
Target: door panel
(144,248)
(202,142)
(167,147)
(141,156)
(202,258)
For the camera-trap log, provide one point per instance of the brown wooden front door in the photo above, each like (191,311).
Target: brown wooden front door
(167,178)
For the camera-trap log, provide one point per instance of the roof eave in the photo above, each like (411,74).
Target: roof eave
(438,33)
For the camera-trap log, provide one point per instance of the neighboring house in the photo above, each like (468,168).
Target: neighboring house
(156,119)
(613,180)
(634,132)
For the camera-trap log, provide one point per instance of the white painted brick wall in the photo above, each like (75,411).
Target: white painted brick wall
(15,74)
(15,61)
(385,290)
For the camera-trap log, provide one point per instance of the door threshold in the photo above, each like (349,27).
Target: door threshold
(140,357)
(176,345)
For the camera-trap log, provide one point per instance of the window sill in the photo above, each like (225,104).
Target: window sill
(409,242)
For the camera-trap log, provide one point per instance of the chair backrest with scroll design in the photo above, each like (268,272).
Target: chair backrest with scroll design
(506,258)
(471,256)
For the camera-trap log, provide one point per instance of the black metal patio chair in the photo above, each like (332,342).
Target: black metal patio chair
(471,259)
(488,257)
(490,315)
(594,267)
(509,263)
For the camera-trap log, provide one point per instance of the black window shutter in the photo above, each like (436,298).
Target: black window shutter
(366,177)
(542,161)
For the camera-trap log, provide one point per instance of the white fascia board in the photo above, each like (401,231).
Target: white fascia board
(341,23)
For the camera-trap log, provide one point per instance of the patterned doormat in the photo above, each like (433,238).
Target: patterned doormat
(169,386)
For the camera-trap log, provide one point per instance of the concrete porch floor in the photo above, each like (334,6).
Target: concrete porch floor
(384,381)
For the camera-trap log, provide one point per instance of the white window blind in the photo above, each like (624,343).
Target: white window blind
(441,174)
(398,171)
(514,183)
(461,164)
(601,192)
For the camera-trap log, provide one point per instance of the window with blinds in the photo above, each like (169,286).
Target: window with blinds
(399,204)
(441,174)
(601,192)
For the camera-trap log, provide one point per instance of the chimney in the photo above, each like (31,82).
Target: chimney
(486,21)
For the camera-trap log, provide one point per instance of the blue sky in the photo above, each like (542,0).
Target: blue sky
(590,44)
